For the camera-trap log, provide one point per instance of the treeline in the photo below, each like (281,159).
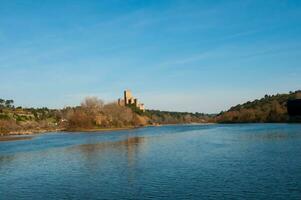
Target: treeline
(166,117)
(92,114)
(270,108)
(6,103)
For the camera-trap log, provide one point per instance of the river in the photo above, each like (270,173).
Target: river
(241,161)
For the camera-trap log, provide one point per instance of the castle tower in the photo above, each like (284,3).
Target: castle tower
(136,102)
(128,97)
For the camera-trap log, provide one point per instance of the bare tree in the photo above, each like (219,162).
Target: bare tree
(92,104)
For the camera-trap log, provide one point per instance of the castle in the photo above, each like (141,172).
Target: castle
(128,99)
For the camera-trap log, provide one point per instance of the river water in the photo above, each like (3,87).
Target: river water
(243,161)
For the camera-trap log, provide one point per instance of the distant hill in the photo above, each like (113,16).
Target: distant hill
(270,108)
(167,117)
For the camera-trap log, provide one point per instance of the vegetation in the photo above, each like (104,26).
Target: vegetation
(6,103)
(271,108)
(165,117)
(25,120)
(90,115)
(93,114)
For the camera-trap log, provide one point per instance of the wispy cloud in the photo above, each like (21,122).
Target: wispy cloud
(168,47)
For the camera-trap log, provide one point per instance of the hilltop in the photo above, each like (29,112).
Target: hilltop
(270,108)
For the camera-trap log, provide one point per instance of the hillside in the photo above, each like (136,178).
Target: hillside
(14,120)
(166,117)
(270,108)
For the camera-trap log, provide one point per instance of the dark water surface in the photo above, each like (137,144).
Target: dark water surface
(251,161)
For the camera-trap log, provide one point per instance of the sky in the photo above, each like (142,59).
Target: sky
(196,56)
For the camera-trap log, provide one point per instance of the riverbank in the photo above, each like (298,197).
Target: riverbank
(12,135)
(6,136)
(102,129)
(14,138)
(29,132)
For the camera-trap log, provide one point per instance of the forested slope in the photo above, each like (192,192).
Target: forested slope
(270,108)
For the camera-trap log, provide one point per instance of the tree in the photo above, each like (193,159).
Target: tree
(2,103)
(9,103)
(118,115)
(78,118)
(92,105)
(88,115)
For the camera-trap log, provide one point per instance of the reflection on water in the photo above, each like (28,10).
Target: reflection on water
(273,136)
(5,159)
(130,146)
(257,161)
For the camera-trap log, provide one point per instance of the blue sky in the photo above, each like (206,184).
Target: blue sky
(200,56)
